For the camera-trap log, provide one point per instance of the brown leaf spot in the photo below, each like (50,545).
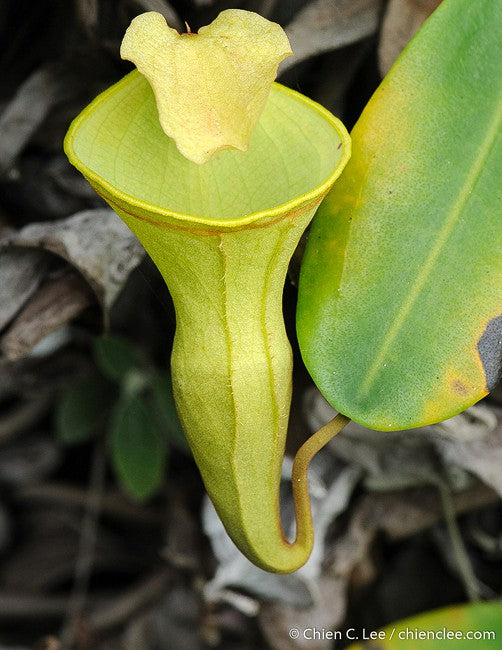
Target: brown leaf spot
(460,387)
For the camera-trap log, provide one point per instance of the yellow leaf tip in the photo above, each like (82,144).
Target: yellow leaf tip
(211,88)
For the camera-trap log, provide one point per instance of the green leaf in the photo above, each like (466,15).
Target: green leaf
(401,286)
(115,357)
(460,626)
(138,450)
(83,410)
(164,407)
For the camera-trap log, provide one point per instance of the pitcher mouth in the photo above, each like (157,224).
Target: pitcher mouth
(150,178)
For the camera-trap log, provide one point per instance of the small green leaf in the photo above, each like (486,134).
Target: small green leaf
(165,409)
(138,450)
(83,410)
(459,626)
(115,357)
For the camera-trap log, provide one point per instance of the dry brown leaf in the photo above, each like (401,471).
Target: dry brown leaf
(95,242)
(326,25)
(402,19)
(87,12)
(161,7)
(24,114)
(56,303)
(277,620)
(403,513)
(480,454)
(21,273)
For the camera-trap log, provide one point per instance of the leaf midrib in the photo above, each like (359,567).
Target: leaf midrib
(443,236)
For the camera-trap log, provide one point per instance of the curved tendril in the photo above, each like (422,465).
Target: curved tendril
(299,477)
